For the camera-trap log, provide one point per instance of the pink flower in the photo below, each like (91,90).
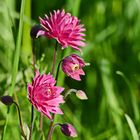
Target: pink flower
(44,95)
(68,130)
(72,66)
(63,27)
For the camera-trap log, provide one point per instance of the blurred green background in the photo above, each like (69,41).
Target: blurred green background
(112,81)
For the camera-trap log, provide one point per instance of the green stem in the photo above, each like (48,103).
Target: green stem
(53,67)
(54,58)
(16,60)
(41,122)
(57,73)
(20,121)
(69,92)
(52,130)
(17,51)
(32,108)
(31,126)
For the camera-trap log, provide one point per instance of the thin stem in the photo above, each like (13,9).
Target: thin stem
(53,67)
(31,126)
(57,73)
(20,121)
(34,57)
(54,58)
(32,108)
(52,129)
(69,92)
(41,122)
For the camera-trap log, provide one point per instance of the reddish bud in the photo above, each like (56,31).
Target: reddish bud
(7,100)
(34,31)
(68,130)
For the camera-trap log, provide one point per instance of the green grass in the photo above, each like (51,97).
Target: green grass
(112,81)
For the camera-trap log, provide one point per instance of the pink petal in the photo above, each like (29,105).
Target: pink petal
(76,77)
(47,113)
(40,33)
(81,72)
(55,101)
(63,27)
(55,110)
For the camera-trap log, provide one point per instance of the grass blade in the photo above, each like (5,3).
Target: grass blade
(17,51)
(132,128)
(16,60)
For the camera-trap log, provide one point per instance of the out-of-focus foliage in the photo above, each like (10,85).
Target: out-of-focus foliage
(112,81)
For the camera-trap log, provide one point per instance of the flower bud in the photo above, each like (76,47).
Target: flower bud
(68,130)
(81,95)
(7,100)
(72,66)
(34,31)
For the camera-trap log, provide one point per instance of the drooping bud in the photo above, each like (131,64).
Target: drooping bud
(34,31)
(81,95)
(68,130)
(7,100)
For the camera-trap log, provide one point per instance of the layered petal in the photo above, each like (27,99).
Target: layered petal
(63,27)
(44,95)
(72,66)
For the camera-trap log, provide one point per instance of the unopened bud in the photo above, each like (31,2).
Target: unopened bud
(68,130)
(7,100)
(34,31)
(81,95)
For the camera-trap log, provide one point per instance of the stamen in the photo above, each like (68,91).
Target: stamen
(75,67)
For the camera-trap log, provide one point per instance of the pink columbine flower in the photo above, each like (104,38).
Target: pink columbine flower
(72,66)
(44,95)
(68,130)
(63,27)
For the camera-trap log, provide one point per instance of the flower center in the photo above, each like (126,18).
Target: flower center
(49,91)
(75,67)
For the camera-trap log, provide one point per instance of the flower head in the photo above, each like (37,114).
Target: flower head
(72,66)
(44,95)
(63,27)
(68,130)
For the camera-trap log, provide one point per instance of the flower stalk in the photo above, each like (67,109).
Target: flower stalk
(50,131)
(32,108)
(20,121)
(54,58)
(69,92)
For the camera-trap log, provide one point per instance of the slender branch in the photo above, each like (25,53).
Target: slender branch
(53,67)
(54,58)
(20,121)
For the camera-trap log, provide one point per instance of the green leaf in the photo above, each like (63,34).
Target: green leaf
(132,128)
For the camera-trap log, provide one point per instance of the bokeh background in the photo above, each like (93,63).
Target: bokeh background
(112,81)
